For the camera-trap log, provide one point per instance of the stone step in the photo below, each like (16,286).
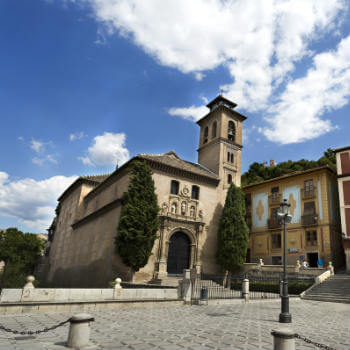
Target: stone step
(334,289)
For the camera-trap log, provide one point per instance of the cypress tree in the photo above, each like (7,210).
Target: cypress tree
(233,231)
(139,222)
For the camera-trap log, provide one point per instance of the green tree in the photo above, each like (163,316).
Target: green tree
(258,172)
(233,231)
(139,222)
(20,251)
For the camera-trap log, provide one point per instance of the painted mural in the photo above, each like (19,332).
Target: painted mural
(292,194)
(260,209)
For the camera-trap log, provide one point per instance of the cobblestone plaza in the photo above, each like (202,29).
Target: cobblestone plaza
(236,326)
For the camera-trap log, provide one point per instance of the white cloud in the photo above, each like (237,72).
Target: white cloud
(192,113)
(20,138)
(259,41)
(40,161)
(107,150)
(32,202)
(199,76)
(37,146)
(76,136)
(296,116)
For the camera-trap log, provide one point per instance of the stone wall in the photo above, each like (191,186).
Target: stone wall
(75,294)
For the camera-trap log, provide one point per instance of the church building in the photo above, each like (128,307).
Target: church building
(191,196)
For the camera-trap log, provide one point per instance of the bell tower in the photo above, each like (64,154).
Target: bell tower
(220,142)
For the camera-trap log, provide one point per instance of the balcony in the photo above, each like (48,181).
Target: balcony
(308,193)
(273,223)
(275,199)
(309,220)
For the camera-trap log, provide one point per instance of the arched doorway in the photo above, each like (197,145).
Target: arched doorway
(179,253)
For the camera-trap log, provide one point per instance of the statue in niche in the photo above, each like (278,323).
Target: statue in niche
(192,211)
(200,213)
(183,208)
(173,208)
(164,208)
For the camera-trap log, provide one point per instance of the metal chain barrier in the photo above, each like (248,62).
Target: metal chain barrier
(46,329)
(318,345)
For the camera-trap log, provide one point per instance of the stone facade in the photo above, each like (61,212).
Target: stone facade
(343,173)
(314,232)
(191,196)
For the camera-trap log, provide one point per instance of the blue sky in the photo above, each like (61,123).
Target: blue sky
(87,84)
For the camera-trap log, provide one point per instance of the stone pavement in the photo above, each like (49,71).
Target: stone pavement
(238,326)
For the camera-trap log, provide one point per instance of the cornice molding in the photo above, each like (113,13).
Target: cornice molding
(181,172)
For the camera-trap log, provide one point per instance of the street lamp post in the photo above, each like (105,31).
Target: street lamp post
(286,218)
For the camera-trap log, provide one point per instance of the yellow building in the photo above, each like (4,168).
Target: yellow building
(314,232)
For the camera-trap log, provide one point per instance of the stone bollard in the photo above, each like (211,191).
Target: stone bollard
(117,288)
(117,285)
(30,280)
(330,268)
(28,289)
(283,339)
(187,286)
(297,266)
(245,289)
(79,331)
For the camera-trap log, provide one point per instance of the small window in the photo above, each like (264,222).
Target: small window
(206,132)
(309,208)
(275,189)
(311,238)
(229,178)
(308,185)
(195,192)
(230,157)
(274,212)
(231,131)
(276,241)
(213,131)
(174,188)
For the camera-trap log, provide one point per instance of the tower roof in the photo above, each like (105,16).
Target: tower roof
(221,100)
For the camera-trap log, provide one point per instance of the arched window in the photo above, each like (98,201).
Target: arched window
(231,158)
(229,178)
(231,131)
(206,132)
(213,131)
(228,156)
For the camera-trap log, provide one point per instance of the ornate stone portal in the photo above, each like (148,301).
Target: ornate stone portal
(169,226)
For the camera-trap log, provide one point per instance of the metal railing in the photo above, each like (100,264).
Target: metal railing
(273,223)
(308,193)
(309,220)
(230,286)
(275,198)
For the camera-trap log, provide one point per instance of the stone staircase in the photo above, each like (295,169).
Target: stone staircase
(335,289)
